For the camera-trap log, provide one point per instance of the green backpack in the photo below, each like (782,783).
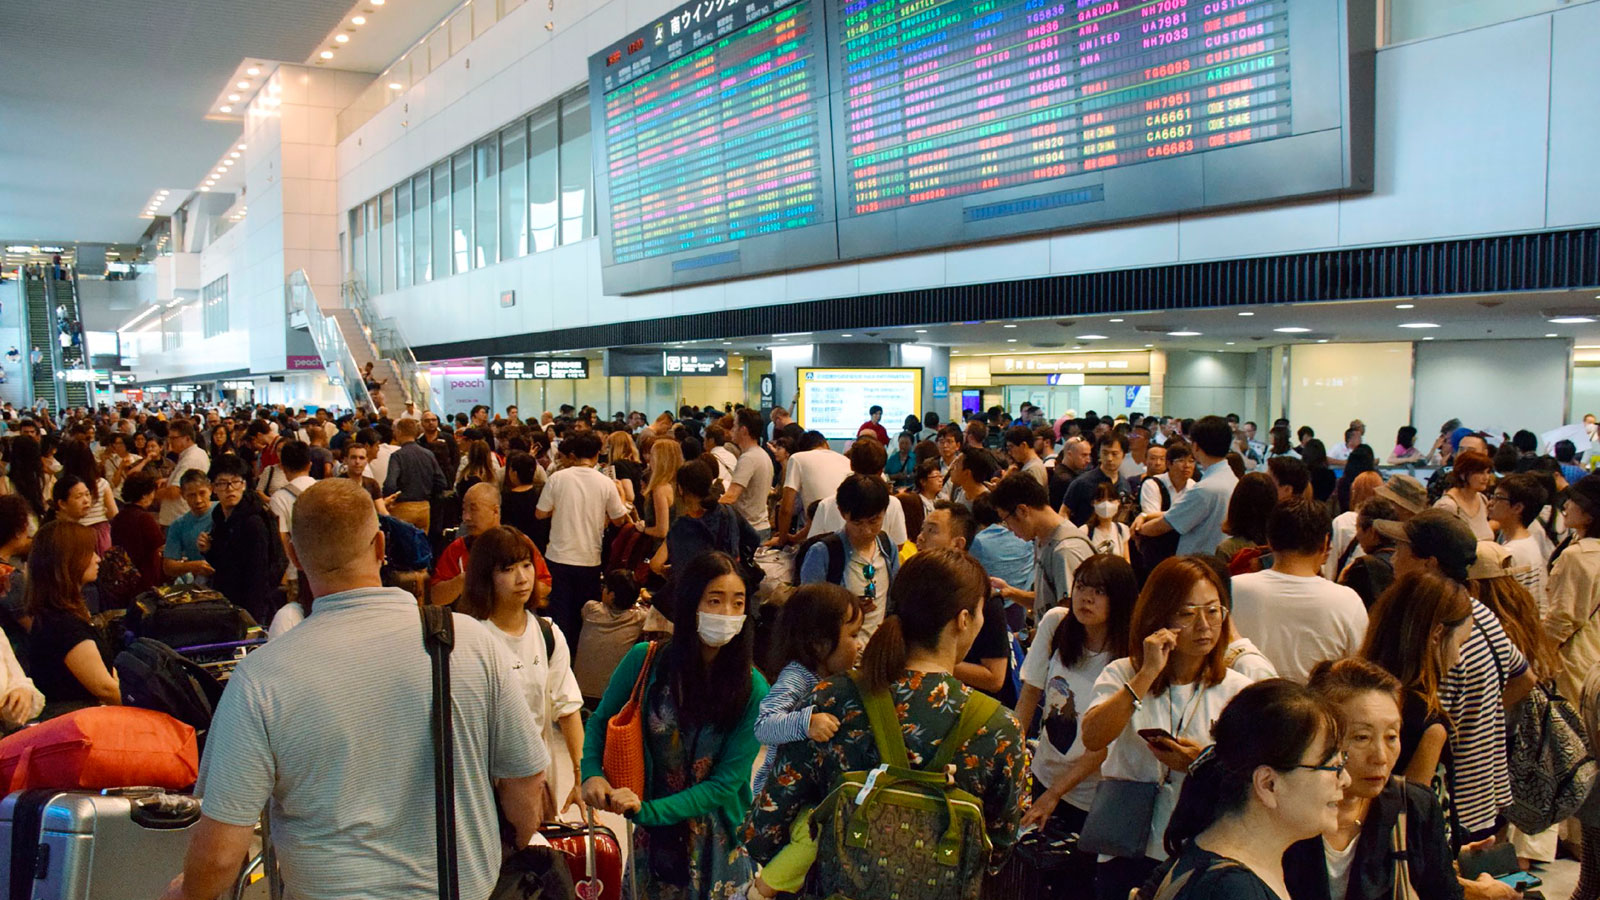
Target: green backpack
(898,833)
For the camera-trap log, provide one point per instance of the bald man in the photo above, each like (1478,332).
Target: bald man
(331,721)
(480,511)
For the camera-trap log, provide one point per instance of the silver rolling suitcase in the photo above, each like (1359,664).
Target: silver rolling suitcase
(120,844)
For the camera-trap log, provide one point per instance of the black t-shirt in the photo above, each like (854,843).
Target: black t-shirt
(516,509)
(994,642)
(53,635)
(1213,877)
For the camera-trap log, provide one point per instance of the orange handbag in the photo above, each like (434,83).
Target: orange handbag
(101,747)
(623,761)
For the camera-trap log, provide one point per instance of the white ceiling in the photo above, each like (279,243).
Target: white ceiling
(104,101)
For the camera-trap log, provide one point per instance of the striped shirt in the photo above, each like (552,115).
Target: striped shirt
(1480,779)
(785,714)
(330,723)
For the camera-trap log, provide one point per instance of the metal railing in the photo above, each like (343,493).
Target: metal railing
(337,359)
(387,339)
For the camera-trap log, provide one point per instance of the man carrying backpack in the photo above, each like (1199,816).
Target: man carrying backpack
(1059,546)
(860,557)
(294,458)
(243,545)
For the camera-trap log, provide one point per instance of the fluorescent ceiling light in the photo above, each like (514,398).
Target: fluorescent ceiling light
(1291,329)
(241,146)
(1091,337)
(1183,334)
(922,331)
(1419,325)
(1405,306)
(233,98)
(1552,334)
(396,86)
(1571,320)
(1011,340)
(1011,326)
(1247,314)
(225,109)
(1116,320)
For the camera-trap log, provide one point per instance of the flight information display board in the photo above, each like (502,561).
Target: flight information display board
(953,121)
(714,156)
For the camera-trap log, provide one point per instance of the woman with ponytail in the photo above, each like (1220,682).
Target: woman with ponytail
(1274,777)
(935,613)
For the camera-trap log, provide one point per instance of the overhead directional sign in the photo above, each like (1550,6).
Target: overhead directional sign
(698,362)
(527,368)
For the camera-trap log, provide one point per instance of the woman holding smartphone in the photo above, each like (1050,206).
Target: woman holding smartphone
(1152,710)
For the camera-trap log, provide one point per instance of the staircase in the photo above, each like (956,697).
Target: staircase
(338,360)
(40,335)
(350,336)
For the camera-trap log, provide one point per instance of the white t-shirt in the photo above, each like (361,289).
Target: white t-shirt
(97,509)
(1529,555)
(1298,620)
(1344,532)
(1338,862)
(855,581)
(829,519)
(547,682)
(1113,540)
(1183,710)
(1066,698)
(192,458)
(378,467)
(282,500)
(815,474)
(1150,495)
(582,500)
(288,616)
(726,457)
(754,472)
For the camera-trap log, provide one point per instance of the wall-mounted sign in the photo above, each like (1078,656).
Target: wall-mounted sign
(123,378)
(769,392)
(1059,378)
(302,363)
(941,387)
(238,385)
(508,298)
(180,388)
(77,375)
(696,362)
(525,368)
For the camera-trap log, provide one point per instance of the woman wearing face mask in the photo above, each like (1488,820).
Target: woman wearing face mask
(1172,686)
(701,697)
(1354,860)
(1105,532)
(1274,777)
(938,601)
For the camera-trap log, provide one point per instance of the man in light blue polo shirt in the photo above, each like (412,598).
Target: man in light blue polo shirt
(1198,514)
(330,725)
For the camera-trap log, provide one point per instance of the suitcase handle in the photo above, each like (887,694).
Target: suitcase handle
(165,812)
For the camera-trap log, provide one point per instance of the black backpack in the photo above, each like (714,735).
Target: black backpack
(186,616)
(154,676)
(277,557)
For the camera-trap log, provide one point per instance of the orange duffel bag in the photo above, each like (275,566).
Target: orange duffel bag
(101,747)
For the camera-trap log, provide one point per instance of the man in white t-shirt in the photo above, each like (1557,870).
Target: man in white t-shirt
(1515,504)
(867,457)
(294,458)
(810,475)
(1176,475)
(579,501)
(180,439)
(1294,615)
(752,475)
(719,448)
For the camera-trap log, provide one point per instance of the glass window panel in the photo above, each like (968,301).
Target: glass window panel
(369,278)
(438,47)
(358,242)
(543,196)
(421,230)
(514,191)
(441,219)
(385,243)
(402,234)
(483,17)
(486,204)
(577,202)
(461,30)
(461,210)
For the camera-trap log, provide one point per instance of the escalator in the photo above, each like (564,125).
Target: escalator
(70,355)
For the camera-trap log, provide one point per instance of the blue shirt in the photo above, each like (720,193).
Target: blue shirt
(183,535)
(1197,516)
(1005,556)
(1572,473)
(785,715)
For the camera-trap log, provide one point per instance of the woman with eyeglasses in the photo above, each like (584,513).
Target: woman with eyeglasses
(1152,710)
(1274,777)
(236,547)
(1354,860)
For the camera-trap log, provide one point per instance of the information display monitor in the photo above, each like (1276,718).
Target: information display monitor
(712,158)
(836,401)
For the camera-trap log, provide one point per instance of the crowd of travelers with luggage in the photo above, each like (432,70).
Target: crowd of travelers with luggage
(1088,657)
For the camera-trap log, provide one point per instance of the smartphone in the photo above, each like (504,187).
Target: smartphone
(1522,881)
(1154,734)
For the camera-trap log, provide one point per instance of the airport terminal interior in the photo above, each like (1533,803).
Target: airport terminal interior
(759,263)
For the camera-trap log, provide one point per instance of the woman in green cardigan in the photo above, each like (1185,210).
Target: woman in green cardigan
(700,702)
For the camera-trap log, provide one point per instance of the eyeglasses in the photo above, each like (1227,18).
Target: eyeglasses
(1501,497)
(225,483)
(1186,615)
(1337,765)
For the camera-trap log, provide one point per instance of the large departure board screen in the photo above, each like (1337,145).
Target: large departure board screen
(714,157)
(947,122)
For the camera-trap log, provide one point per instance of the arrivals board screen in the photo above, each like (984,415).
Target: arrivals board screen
(837,401)
(714,156)
(955,121)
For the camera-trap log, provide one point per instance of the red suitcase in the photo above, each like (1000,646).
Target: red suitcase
(593,855)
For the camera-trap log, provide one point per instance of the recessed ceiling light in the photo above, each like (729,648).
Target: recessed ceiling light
(727,342)
(1091,337)
(243,85)
(1011,340)
(234,155)
(847,335)
(1405,306)
(205,189)
(1116,320)
(326,54)
(1428,338)
(1229,343)
(396,86)
(164,193)
(226,109)
(1247,313)
(1571,320)
(253,71)
(376,2)
(1419,325)
(342,38)
(358,20)
(1011,326)
(1322,340)
(1552,334)
(241,146)
(1291,329)
(1149,345)
(233,98)
(1183,334)
(922,331)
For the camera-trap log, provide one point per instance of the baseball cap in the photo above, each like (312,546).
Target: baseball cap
(1405,492)
(1494,561)
(1439,535)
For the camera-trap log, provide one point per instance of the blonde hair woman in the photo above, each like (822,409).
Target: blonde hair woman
(659,501)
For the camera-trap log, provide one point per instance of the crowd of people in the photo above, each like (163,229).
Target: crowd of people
(1206,666)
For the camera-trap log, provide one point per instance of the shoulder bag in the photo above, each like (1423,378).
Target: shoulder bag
(623,760)
(1402,860)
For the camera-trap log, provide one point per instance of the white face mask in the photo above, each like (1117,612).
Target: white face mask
(717,630)
(1106,509)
